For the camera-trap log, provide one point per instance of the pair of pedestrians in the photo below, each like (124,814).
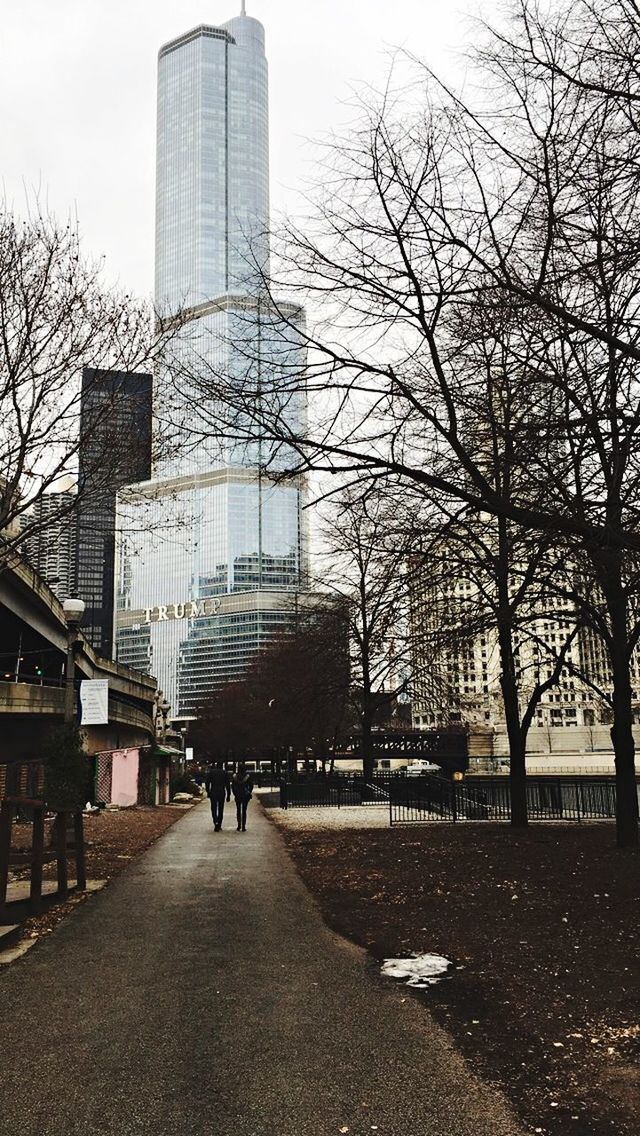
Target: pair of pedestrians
(220,786)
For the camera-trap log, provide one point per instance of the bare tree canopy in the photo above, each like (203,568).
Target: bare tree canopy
(57,316)
(460,251)
(364,566)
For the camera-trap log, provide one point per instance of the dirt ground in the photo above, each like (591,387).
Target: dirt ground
(544,928)
(113,838)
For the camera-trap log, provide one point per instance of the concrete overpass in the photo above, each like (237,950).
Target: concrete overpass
(33,645)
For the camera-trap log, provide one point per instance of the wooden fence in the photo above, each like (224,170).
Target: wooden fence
(60,851)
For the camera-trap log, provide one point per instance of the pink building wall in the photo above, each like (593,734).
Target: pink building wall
(124,777)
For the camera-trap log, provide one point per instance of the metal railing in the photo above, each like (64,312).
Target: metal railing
(548,798)
(334,792)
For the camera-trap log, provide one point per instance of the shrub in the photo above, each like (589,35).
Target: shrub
(66,768)
(184,783)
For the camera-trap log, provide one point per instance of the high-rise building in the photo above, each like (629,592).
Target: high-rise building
(457,666)
(50,540)
(212,551)
(212,164)
(114,449)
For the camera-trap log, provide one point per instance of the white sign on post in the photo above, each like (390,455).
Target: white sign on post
(94,702)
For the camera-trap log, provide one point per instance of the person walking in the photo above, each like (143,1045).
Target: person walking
(218,786)
(242,787)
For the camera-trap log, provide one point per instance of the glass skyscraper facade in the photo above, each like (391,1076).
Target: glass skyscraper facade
(212,177)
(212,550)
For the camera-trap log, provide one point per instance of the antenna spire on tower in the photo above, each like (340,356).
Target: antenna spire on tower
(243,7)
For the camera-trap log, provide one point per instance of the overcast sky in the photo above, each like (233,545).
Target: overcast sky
(78,90)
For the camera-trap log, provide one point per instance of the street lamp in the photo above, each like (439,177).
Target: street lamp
(275,762)
(164,708)
(73,611)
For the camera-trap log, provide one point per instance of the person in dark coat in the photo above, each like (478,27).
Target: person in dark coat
(242,788)
(218,788)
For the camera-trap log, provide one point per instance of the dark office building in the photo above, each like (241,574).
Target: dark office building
(115,450)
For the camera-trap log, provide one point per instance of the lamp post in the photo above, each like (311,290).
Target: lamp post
(73,611)
(161,715)
(276,765)
(165,708)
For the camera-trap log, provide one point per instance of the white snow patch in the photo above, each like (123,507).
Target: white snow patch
(419,970)
(353,816)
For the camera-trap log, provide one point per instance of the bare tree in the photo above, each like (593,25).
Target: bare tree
(481,581)
(364,565)
(428,208)
(57,317)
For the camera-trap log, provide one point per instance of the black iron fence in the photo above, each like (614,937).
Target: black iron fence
(548,798)
(335,792)
(418,800)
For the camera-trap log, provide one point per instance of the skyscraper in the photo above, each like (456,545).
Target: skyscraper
(51,547)
(212,171)
(114,449)
(212,549)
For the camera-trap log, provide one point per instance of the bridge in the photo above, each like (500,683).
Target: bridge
(447,748)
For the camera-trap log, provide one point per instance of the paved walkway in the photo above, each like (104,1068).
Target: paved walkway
(202,993)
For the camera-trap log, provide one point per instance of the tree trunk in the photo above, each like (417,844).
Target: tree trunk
(509,686)
(517,744)
(622,728)
(367,746)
